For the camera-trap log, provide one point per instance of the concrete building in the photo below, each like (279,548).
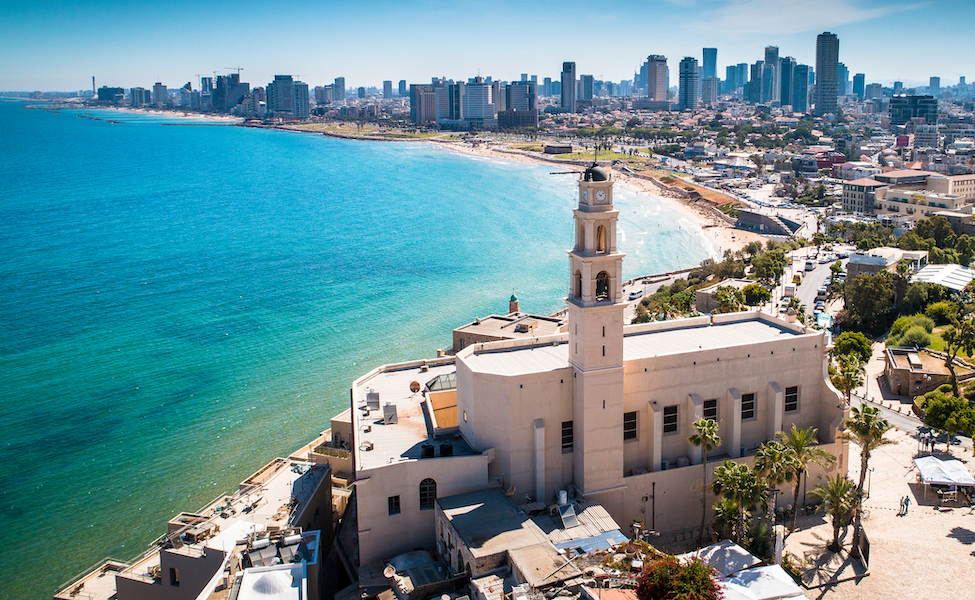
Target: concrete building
(842,79)
(569,87)
(755,85)
(403,90)
(387,89)
(905,108)
(709,90)
(881,259)
(602,411)
(657,77)
(934,86)
(160,95)
(859,85)
(827,65)
(874,91)
(787,73)
(519,105)
(688,95)
(338,90)
(287,98)
(859,195)
(800,89)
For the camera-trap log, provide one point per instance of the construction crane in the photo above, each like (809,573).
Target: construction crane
(199,81)
(238,69)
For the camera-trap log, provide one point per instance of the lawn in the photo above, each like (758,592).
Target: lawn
(938,344)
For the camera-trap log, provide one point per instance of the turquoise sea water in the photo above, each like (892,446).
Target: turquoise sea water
(183,302)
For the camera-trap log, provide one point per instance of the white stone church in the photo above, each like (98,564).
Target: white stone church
(602,411)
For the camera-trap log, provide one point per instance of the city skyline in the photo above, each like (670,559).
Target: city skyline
(49,47)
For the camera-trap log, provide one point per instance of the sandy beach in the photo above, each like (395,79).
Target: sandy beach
(722,236)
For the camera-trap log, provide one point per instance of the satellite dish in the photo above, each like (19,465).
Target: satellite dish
(415,387)
(389,571)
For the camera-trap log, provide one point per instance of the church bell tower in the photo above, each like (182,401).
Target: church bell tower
(595,306)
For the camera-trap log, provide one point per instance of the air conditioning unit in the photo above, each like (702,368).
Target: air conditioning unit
(664,465)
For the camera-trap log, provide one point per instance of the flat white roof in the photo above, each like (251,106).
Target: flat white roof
(953,277)
(689,336)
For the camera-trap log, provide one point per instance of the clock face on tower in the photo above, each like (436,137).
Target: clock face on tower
(601,196)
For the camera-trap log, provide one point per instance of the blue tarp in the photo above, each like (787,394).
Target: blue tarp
(603,541)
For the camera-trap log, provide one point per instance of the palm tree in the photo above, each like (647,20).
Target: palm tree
(849,375)
(737,482)
(839,497)
(775,464)
(866,428)
(805,447)
(725,517)
(707,439)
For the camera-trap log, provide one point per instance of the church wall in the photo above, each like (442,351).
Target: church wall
(382,535)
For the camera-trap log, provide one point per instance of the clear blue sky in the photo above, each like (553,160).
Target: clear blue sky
(58,45)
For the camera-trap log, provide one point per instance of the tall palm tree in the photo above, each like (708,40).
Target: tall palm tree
(866,428)
(849,375)
(839,497)
(775,464)
(707,439)
(805,446)
(737,482)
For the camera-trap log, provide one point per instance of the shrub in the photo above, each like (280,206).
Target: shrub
(670,579)
(942,312)
(916,336)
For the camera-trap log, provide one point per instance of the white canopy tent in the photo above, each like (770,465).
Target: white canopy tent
(761,583)
(725,557)
(934,471)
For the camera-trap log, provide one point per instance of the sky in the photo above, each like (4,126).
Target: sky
(50,45)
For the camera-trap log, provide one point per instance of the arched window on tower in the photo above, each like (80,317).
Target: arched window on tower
(428,494)
(577,285)
(581,237)
(602,286)
(601,238)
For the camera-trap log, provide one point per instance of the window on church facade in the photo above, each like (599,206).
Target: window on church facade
(566,437)
(428,494)
(711,409)
(601,238)
(792,398)
(748,406)
(629,426)
(577,285)
(602,286)
(670,419)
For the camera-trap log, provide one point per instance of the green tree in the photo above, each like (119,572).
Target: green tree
(805,446)
(839,497)
(671,579)
(853,342)
(706,439)
(866,428)
(848,374)
(938,228)
(756,294)
(737,482)
(775,464)
(959,337)
(836,268)
(769,267)
(949,414)
(869,299)
(942,312)
(729,298)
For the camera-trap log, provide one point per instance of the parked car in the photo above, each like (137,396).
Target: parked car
(636,294)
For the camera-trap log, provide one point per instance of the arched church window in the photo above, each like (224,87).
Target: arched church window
(581,237)
(602,286)
(577,285)
(428,494)
(601,238)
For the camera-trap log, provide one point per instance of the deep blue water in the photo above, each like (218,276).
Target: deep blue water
(180,303)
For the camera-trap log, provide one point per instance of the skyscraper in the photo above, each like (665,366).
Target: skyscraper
(800,89)
(568,87)
(742,75)
(934,86)
(657,77)
(402,88)
(859,85)
(827,71)
(842,79)
(546,87)
(688,96)
(755,85)
(710,62)
(281,95)
(709,90)
(730,79)
(771,88)
(338,92)
(387,89)
(787,71)
(586,88)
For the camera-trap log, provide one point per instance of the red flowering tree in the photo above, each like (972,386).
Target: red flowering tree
(671,579)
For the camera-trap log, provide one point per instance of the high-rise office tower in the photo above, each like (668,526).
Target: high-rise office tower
(842,79)
(402,88)
(742,75)
(281,95)
(338,92)
(709,90)
(730,79)
(827,71)
(160,95)
(387,89)
(800,89)
(586,88)
(687,95)
(657,77)
(874,90)
(524,76)
(934,87)
(787,71)
(300,108)
(568,87)
(753,90)
(710,62)
(360,92)
(772,69)
(546,86)
(898,87)
(859,85)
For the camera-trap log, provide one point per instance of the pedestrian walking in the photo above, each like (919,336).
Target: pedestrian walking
(900,510)
(907,504)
